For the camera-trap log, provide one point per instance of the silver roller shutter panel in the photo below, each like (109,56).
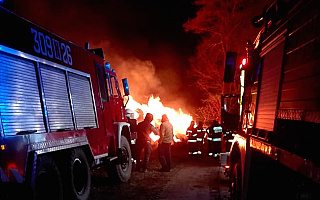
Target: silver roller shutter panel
(56,98)
(270,82)
(20,106)
(82,101)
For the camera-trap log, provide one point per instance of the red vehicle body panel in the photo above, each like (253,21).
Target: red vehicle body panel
(21,40)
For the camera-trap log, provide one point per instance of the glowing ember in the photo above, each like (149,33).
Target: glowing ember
(178,119)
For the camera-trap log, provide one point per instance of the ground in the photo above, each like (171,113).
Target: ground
(191,177)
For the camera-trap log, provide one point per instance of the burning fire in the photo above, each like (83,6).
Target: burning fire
(178,119)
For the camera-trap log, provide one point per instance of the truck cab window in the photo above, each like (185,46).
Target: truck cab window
(114,87)
(108,85)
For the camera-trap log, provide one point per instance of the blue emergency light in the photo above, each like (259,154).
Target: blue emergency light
(125,86)
(107,66)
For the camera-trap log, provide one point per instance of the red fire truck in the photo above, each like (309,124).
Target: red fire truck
(275,153)
(61,113)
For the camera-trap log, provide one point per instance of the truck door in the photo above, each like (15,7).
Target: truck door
(116,100)
(105,100)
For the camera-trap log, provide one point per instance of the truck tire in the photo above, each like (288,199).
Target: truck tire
(47,180)
(122,171)
(76,175)
(236,182)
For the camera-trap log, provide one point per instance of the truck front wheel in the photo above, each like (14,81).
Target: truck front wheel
(121,169)
(47,180)
(124,168)
(76,175)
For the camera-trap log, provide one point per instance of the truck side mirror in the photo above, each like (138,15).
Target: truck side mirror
(125,86)
(230,67)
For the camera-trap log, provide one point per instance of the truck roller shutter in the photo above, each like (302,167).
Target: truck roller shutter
(20,106)
(269,89)
(56,98)
(82,101)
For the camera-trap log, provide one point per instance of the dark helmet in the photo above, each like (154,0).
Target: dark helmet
(215,123)
(148,117)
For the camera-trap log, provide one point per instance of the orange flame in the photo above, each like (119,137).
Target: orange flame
(178,119)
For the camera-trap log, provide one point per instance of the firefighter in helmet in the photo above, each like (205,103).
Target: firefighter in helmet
(192,140)
(133,123)
(133,131)
(190,129)
(201,133)
(214,139)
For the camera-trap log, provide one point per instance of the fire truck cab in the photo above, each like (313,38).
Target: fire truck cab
(275,153)
(61,113)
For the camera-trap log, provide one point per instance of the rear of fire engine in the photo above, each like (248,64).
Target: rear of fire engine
(61,114)
(275,154)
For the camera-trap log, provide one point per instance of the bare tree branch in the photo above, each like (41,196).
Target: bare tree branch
(223,25)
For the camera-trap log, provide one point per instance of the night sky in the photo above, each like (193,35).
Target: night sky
(144,36)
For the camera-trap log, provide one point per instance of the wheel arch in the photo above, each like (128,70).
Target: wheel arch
(126,133)
(122,128)
(57,155)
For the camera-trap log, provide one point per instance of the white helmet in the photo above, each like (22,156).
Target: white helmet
(129,114)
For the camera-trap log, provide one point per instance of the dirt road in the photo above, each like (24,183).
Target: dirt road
(192,177)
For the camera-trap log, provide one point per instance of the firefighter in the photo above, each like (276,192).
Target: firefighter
(192,138)
(214,139)
(201,133)
(228,137)
(190,129)
(134,133)
(132,121)
(144,141)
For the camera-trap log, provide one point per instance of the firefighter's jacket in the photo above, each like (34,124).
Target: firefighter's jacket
(214,133)
(190,131)
(192,135)
(201,133)
(133,128)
